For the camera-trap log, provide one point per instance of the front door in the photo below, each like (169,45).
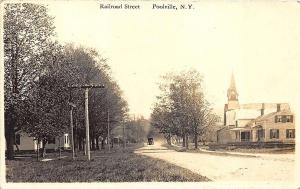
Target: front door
(260,135)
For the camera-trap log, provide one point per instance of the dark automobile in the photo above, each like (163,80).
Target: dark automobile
(150,141)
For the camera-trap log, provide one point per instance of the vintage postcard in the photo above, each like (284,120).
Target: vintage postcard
(150,94)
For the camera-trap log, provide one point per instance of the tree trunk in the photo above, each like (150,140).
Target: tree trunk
(76,147)
(183,140)
(84,146)
(59,147)
(196,141)
(102,144)
(93,144)
(97,143)
(79,143)
(38,150)
(187,142)
(169,139)
(82,143)
(75,139)
(10,138)
(17,147)
(43,154)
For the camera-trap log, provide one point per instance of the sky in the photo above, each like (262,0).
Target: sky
(258,41)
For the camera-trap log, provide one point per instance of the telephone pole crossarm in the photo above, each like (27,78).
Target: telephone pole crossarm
(86,86)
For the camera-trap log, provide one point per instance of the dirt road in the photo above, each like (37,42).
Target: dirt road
(268,167)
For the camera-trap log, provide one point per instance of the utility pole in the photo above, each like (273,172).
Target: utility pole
(59,147)
(124,139)
(75,137)
(84,147)
(87,127)
(108,137)
(72,105)
(38,150)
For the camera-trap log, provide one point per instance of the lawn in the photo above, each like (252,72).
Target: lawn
(274,150)
(116,166)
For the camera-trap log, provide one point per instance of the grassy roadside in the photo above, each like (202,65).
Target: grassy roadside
(116,166)
(240,152)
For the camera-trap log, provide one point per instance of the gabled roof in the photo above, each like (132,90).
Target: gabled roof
(265,106)
(267,116)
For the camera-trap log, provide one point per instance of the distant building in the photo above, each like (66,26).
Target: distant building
(255,122)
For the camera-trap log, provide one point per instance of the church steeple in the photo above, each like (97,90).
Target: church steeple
(232,82)
(232,94)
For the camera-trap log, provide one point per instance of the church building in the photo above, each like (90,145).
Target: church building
(255,122)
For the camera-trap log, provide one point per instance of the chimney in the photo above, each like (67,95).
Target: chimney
(278,107)
(262,111)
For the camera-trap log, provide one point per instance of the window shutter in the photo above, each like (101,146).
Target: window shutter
(271,134)
(275,119)
(291,118)
(277,133)
(287,133)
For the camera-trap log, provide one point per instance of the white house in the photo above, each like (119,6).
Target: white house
(25,142)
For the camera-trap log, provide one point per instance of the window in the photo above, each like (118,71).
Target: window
(284,119)
(289,118)
(51,140)
(18,139)
(290,133)
(274,133)
(245,136)
(66,139)
(278,118)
